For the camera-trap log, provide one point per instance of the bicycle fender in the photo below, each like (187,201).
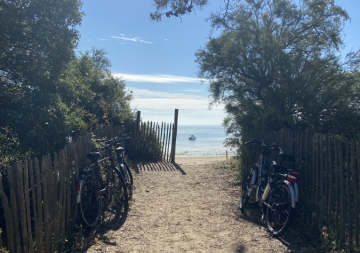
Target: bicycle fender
(292,193)
(296,189)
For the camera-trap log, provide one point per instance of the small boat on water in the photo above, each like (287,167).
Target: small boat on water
(191,137)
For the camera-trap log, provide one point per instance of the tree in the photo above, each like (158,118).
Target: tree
(37,41)
(277,64)
(90,95)
(175,8)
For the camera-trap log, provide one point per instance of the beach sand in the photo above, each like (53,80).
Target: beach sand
(189,206)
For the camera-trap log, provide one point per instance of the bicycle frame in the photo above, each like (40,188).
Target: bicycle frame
(259,181)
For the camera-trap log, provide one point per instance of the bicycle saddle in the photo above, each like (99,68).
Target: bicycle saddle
(93,156)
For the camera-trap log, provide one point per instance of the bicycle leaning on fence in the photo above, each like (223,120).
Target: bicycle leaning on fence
(101,184)
(273,186)
(123,166)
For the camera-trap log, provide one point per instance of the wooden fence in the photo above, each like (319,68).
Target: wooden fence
(38,210)
(152,140)
(330,178)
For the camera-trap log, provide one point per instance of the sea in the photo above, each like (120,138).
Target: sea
(209,141)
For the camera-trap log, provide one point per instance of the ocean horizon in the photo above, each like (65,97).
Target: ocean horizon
(209,141)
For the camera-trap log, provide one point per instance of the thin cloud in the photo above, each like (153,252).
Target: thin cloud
(145,93)
(134,39)
(191,90)
(158,100)
(159,106)
(158,78)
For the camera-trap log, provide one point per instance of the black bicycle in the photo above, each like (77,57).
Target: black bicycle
(273,186)
(125,169)
(101,183)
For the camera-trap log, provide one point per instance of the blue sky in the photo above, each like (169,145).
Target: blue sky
(157,60)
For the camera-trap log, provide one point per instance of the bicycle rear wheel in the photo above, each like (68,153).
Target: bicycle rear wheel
(119,191)
(279,212)
(90,203)
(129,181)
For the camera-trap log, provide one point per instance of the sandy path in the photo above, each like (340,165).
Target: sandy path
(187,207)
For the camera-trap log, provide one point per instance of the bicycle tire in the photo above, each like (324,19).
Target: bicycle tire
(280,212)
(90,203)
(245,186)
(129,180)
(119,191)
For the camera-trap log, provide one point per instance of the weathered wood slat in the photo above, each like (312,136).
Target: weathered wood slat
(349,221)
(62,191)
(58,208)
(342,193)
(10,230)
(330,185)
(355,194)
(46,203)
(168,144)
(14,207)
(162,140)
(321,181)
(337,188)
(27,204)
(18,175)
(76,154)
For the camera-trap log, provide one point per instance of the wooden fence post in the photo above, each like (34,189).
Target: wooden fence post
(137,132)
(174,134)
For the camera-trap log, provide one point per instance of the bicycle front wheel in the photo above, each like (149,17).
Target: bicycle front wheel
(90,202)
(119,190)
(279,212)
(245,190)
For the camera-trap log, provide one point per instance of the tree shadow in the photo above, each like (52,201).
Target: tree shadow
(240,248)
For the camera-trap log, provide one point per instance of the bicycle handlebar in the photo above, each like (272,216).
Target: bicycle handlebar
(114,140)
(263,145)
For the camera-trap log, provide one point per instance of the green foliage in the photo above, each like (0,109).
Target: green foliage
(38,39)
(148,145)
(91,96)
(3,250)
(277,65)
(175,8)
(47,92)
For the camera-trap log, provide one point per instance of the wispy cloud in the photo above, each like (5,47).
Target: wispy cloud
(157,78)
(133,39)
(191,90)
(145,93)
(159,106)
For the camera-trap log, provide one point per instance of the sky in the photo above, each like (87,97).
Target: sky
(157,59)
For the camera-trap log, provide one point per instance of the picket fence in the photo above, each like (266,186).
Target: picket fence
(38,210)
(330,178)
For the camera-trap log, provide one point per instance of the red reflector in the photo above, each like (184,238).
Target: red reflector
(295,174)
(77,187)
(291,179)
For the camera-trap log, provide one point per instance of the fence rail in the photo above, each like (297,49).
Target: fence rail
(38,209)
(330,178)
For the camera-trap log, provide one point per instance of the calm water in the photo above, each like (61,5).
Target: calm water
(209,141)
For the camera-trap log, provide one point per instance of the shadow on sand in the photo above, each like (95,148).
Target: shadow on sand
(156,166)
